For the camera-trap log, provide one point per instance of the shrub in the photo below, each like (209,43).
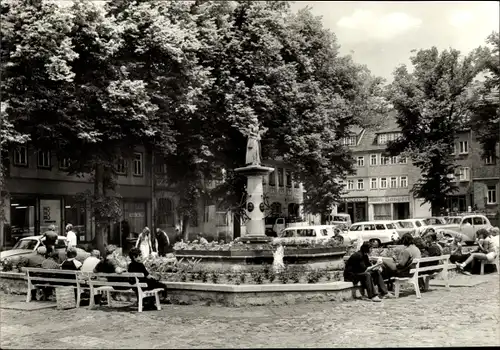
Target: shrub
(215,277)
(243,277)
(272,276)
(257,276)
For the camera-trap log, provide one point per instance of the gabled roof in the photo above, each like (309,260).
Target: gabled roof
(368,139)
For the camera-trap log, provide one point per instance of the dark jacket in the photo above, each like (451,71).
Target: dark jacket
(357,263)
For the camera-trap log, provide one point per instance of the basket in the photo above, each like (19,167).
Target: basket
(65,298)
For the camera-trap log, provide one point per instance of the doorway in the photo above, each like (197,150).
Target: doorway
(401,211)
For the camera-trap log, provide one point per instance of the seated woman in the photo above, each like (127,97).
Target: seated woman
(486,250)
(456,252)
(400,266)
(359,269)
(136,266)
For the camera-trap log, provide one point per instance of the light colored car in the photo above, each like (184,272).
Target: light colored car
(305,233)
(433,220)
(382,232)
(466,226)
(28,246)
(418,226)
(342,234)
(342,219)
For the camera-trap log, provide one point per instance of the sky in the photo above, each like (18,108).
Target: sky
(382,34)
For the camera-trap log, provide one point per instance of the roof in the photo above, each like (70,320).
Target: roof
(368,139)
(40,236)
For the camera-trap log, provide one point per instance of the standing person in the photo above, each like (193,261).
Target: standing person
(71,236)
(50,238)
(162,242)
(144,243)
(359,269)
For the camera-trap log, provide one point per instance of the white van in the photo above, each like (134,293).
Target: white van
(339,219)
(382,232)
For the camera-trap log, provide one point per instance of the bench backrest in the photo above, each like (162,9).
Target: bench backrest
(126,279)
(50,276)
(442,264)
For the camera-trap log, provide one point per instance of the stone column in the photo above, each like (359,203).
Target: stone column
(255,225)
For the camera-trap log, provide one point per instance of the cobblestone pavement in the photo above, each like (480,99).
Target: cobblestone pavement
(467,316)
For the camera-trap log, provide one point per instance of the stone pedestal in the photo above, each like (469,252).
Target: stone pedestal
(255,225)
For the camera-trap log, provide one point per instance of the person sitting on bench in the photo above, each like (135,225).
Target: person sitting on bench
(486,250)
(359,269)
(136,266)
(400,266)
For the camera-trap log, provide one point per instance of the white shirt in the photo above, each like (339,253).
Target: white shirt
(89,264)
(71,237)
(496,242)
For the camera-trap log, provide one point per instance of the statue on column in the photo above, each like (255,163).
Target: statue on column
(253,145)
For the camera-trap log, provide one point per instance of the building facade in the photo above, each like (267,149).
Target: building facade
(41,193)
(380,189)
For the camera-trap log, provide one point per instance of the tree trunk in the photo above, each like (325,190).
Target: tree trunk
(436,209)
(101,225)
(185,228)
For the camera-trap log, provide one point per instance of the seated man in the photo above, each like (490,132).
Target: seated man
(486,250)
(359,269)
(91,262)
(71,263)
(201,239)
(400,266)
(136,266)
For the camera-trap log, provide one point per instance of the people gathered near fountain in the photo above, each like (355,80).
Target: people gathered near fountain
(358,269)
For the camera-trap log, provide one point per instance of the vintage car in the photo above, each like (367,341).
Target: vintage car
(28,246)
(380,232)
(465,226)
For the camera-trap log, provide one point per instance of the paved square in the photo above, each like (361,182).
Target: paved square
(463,316)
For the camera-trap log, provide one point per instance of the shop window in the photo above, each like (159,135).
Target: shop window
(22,216)
(74,214)
(20,156)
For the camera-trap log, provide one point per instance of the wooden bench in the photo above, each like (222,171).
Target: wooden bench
(37,277)
(98,283)
(416,273)
(496,262)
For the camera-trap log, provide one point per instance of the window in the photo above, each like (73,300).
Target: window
(490,160)
(403,160)
(281,175)
(361,161)
(394,182)
(221,218)
(272,178)
(403,182)
(385,160)
(296,182)
(369,227)
(373,159)
(355,228)
(492,195)
(350,184)
(21,156)
(121,166)
(454,149)
(361,184)
(64,163)
(478,220)
(464,147)
(394,160)
(390,226)
(373,183)
(463,174)
(383,182)
(138,166)
(379,227)
(288,178)
(349,141)
(165,212)
(43,159)
(382,139)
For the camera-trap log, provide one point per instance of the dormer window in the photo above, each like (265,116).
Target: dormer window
(349,141)
(382,139)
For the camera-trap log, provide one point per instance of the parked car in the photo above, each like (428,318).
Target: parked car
(306,233)
(382,232)
(466,226)
(340,219)
(274,225)
(417,226)
(28,246)
(433,220)
(342,234)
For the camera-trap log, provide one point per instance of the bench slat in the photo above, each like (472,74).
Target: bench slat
(124,274)
(433,258)
(51,271)
(428,268)
(49,279)
(116,284)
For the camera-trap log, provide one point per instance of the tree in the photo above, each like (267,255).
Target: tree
(432,107)
(67,86)
(485,119)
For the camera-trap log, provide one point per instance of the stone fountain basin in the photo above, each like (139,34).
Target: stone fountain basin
(320,257)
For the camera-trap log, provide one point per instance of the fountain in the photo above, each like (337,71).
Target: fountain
(256,249)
